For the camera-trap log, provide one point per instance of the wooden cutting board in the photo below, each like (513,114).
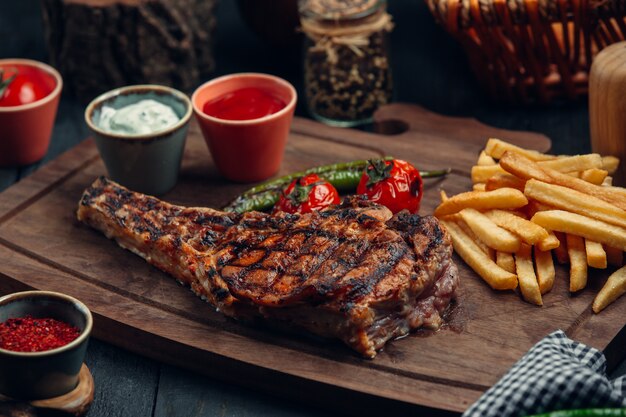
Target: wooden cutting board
(142,309)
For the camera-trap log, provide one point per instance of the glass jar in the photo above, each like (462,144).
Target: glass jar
(347,73)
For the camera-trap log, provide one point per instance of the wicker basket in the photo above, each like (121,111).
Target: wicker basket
(529,50)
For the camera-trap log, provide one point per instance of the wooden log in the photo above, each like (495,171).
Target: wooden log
(606,106)
(98,45)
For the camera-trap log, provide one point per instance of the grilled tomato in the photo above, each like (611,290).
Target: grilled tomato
(307,194)
(392,183)
(23,84)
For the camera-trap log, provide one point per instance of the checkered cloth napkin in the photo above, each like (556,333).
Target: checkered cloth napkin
(556,374)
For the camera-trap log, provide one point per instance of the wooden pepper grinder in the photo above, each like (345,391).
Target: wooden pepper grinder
(607,106)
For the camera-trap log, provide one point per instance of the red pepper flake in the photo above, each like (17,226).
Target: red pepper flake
(29,334)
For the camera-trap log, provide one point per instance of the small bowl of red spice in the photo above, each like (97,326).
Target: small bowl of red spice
(43,340)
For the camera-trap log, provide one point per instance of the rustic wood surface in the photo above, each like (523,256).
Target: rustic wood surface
(429,68)
(74,403)
(143,310)
(606,105)
(98,45)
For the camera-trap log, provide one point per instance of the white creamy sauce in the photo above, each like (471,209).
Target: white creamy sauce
(145,116)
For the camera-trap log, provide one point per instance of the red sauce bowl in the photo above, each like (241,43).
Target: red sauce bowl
(246,150)
(25,130)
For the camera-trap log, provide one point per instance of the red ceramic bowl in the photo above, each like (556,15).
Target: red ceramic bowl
(246,150)
(25,130)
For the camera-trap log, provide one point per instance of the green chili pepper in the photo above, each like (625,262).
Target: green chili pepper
(343,176)
(282,182)
(257,202)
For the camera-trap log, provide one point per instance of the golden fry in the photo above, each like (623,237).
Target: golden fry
(595,176)
(479,186)
(469,232)
(614,256)
(502,198)
(526,169)
(496,148)
(596,256)
(577,262)
(528,231)
(522,167)
(614,287)
(484,159)
(534,206)
(573,163)
(504,181)
(574,201)
(572,223)
(549,243)
(443,196)
(481,173)
(496,277)
(561,251)
(610,163)
(487,231)
(545,269)
(526,276)
(608,181)
(617,190)
(505,261)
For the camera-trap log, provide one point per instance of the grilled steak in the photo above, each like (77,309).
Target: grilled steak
(352,271)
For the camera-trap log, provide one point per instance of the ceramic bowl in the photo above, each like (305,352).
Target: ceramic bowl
(25,130)
(147,163)
(51,373)
(246,150)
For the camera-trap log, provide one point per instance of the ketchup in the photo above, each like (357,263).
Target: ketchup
(244,104)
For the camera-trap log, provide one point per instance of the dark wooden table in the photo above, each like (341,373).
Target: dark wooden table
(429,69)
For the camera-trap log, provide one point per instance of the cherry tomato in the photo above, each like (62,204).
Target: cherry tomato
(307,194)
(23,84)
(395,184)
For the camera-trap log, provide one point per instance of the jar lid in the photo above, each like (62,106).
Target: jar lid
(339,9)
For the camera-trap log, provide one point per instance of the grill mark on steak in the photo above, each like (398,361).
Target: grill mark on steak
(351,271)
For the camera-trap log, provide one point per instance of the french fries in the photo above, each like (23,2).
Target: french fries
(594,175)
(490,233)
(596,255)
(567,199)
(504,181)
(573,163)
(526,276)
(496,277)
(560,252)
(528,231)
(481,173)
(496,148)
(505,261)
(526,169)
(484,159)
(577,263)
(596,230)
(614,287)
(610,164)
(549,243)
(527,206)
(545,270)
(507,198)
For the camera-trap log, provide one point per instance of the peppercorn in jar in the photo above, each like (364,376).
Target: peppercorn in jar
(346,63)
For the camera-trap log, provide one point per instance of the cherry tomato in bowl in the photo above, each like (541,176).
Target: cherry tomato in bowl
(395,184)
(23,84)
(306,194)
